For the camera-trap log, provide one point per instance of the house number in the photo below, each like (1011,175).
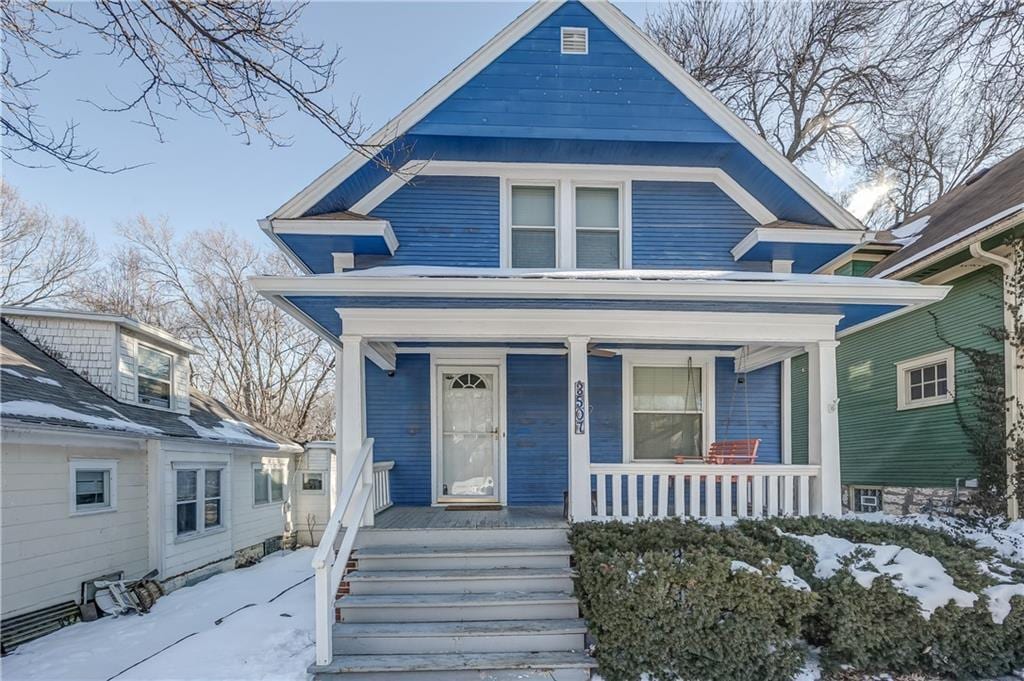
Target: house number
(580,410)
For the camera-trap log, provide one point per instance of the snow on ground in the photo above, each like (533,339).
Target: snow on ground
(267,640)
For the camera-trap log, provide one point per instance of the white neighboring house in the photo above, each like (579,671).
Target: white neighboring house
(111,465)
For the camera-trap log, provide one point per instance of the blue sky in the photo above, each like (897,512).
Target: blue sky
(202,176)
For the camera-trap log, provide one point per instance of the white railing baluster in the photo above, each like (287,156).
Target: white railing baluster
(617,495)
(804,483)
(773,495)
(663,495)
(602,508)
(631,494)
(709,494)
(741,495)
(787,495)
(648,494)
(726,510)
(758,487)
(679,496)
(694,496)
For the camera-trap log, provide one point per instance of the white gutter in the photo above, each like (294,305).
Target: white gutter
(1011,375)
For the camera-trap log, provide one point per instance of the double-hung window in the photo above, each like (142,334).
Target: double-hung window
(93,485)
(597,227)
(154,377)
(926,381)
(199,499)
(667,411)
(534,226)
(267,484)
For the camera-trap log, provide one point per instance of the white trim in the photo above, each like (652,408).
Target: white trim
(786,400)
(851,255)
(581,172)
(789,235)
(109,466)
(505,220)
(903,368)
(586,39)
(494,360)
(757,287)
(339,227)
(156,334)
(704,360)
(200,502)
(456,352)
(269,466)
(171,392)
(619,24)
(782,266)
(751,360)
(343,261)
(547,325)
(267,228)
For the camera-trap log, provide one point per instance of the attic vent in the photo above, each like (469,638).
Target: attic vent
(574,40)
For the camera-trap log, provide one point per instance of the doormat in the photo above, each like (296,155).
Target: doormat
(475,507)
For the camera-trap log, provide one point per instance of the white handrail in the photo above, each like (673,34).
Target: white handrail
(329,565)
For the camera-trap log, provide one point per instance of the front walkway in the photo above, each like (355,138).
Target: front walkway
(439,517)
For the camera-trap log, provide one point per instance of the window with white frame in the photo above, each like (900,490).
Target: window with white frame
(533,226)
(313,482)
(667,411)
(597,228)
(267,484)
(199,499)
(92,485)
(926,381)
(154,377)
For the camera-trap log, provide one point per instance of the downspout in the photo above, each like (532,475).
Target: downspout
(1010,360)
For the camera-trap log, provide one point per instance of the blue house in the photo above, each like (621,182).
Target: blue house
(568,274)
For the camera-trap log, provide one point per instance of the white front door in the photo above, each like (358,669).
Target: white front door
(469,442)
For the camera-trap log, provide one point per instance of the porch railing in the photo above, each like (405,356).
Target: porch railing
(700,490)
(382,485)
(330,564)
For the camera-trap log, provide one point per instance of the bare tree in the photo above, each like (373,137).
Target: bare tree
(807,76)
(42,258)
(254,356)
(240,62)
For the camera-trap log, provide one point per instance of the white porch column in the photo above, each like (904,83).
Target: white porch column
(579,430)
(339,356)
(353,429)
(823,427)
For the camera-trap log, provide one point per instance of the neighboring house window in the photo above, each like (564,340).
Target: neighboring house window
(534,226)
(866,499)
(267,484)
(597,227)
(199,499)
(313,482)
(926,381)
(667,411)
(154,377)
(93,485)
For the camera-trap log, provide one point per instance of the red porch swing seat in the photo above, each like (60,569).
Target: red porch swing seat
(733,451)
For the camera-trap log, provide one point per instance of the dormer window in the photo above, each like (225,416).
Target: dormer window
(154,377)
(574,40)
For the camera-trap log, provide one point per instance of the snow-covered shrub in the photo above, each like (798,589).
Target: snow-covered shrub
(692,601)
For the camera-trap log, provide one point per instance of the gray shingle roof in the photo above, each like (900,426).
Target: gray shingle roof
(1001,188)
(37,389)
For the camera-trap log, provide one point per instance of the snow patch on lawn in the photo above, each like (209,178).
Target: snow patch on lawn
(227,430)
(266,640)
(45,410)
(913,573)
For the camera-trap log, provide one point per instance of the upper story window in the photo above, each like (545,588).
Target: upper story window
(562,224)
(534,226)
(926,381)
(154,377)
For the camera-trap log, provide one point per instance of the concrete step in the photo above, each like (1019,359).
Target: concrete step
(459,637)
(486,580)
(442,557)
(494,537)
(512,605)
(553,666)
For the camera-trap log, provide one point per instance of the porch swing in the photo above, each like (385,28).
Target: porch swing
(723,452)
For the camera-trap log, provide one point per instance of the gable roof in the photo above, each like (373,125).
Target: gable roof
(36,389)
(989,200)
(635,39)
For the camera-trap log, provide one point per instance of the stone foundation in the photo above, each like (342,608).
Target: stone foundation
(906,500)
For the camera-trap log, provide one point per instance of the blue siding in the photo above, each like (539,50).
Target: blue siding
(445,221)
(322,309)
(761,396)
(538,428)
(688,225)
(605,376)
(532,90)
(398,417)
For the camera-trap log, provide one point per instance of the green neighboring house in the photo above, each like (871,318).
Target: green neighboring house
(903,387)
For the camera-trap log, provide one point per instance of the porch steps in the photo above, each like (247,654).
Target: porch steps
(456,604)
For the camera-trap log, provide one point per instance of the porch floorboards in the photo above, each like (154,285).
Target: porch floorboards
(436,517)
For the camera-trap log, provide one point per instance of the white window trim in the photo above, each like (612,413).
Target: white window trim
(302,479)
(171,394)
(903,369)
(853,496)
(284,484)
(703,360)
(108,465)
(565,184)
(201,529)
